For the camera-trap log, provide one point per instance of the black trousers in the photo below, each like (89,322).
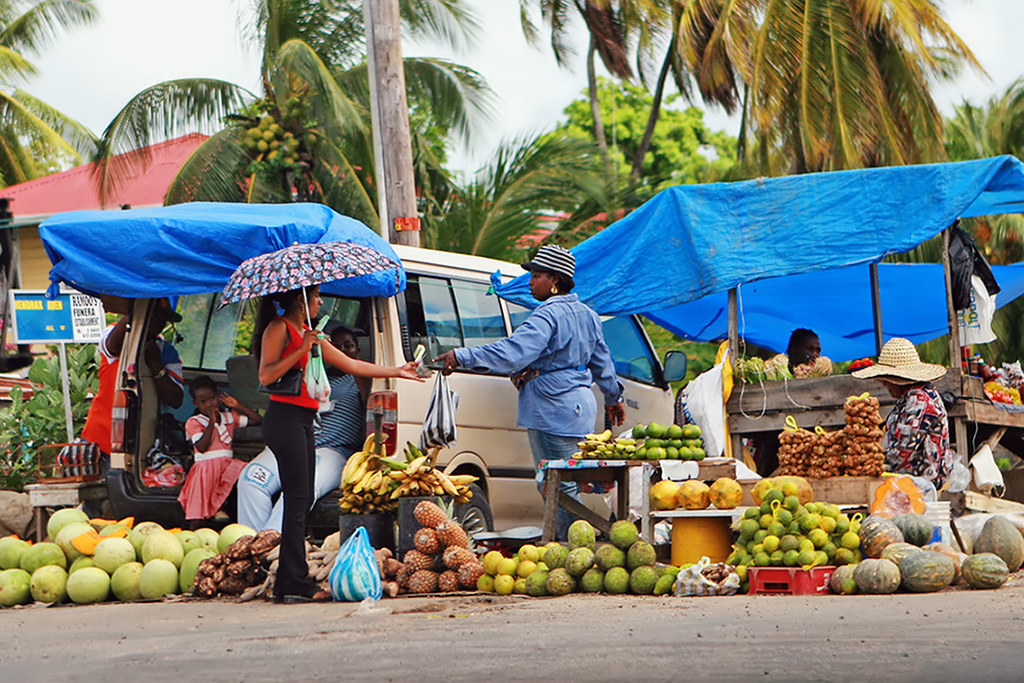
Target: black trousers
(288,430)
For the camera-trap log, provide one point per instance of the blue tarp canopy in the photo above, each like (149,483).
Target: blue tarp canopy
(194,248)
(692,241)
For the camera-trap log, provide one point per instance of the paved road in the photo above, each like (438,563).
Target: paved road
(956,635)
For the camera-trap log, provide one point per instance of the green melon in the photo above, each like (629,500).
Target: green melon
(877,576)
(230,534)
(70,533)
(158,578)
(11,550)
(41,555)
(88,585)
(49,583)
(15,587)
(190,567)
(61,518)
(124,583)
(1001,537)
(139,533)
(926,571)
(984,570)
(916,529)
(162,545)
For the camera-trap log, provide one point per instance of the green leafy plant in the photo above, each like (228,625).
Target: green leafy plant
(26,425)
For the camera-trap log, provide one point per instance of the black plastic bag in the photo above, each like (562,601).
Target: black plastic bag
(965,261)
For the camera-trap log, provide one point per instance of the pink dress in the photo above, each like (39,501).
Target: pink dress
(214,472)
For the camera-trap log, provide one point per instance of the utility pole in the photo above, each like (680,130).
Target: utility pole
(396,188)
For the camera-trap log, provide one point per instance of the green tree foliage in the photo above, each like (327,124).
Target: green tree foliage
(683,149)
(26,425)
(35,138)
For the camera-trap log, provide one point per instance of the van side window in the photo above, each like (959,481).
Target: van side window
(629,349)
(517,314)
(206,337)
(444,314)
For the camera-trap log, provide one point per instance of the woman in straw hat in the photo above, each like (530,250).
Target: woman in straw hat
(916,437)
(553,358)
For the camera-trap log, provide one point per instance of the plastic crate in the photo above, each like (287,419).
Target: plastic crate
(789,580)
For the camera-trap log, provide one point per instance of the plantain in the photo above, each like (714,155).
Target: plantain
(603,436)
(447,485)
(462,479)
(415,464)
(397,475)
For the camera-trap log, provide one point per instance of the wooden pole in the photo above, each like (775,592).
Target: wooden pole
(954,323)
(876,307)
(390,111)
(734,327)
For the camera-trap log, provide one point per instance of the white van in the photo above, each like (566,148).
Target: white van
(445,305)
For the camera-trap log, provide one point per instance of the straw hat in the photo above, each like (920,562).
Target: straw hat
(899,363)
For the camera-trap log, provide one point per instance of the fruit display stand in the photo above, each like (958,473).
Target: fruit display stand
(586,470)
(700,533)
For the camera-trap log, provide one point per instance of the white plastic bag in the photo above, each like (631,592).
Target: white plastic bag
(317,384)
(691,581)
(703,398)
(439,425)
(986,473)
(976,321)
(354,576)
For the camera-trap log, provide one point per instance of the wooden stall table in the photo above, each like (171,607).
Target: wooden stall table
(57,495)
(586,470)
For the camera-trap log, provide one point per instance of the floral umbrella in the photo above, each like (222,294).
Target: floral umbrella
(304,265)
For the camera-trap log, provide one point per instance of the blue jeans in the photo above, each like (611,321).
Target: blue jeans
(547,446)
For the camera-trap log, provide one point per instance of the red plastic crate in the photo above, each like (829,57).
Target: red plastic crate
(788,580)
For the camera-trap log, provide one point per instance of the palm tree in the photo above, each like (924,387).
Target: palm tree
(35,138)
(611,24)
(530,181)
(827,84)
(305,136)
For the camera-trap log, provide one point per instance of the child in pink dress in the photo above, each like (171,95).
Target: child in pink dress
(214,470)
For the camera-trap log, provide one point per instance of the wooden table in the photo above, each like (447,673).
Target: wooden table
(557,471)
(54,495)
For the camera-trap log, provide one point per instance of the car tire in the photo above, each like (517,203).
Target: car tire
(475,515)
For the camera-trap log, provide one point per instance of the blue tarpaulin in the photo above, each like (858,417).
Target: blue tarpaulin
(692,241)
(194,248)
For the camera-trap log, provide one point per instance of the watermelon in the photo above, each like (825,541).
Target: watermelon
(1001,537)
(926,571)
(877,576)
(950,552)
(916,529)
(876,532)
(984,570)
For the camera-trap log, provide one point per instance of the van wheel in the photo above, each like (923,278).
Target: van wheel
(475,516)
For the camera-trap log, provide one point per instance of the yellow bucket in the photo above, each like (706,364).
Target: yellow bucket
(696,537)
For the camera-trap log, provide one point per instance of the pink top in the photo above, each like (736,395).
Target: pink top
(223,434)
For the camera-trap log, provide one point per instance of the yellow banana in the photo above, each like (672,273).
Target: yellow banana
(350,467)
(462,479)
(447,484)
(603,436)
(398,475)
(416,464)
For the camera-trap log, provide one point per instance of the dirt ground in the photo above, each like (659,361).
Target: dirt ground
(952,635)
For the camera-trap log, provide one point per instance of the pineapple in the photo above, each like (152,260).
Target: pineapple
(469,573)
(449,533)
(418,560)
(423,581)
(429,514)
(456,556)
(426,541)
(448,582)
(402,577)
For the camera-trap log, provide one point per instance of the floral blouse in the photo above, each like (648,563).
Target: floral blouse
(916,437)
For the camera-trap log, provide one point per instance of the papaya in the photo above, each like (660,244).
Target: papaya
(725,493)
(86,543)
(694,495)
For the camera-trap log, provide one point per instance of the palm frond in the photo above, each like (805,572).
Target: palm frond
(449,21)
(13,63)
(214,171)
(82,140)
(161,111)
(298,70)
(44,22)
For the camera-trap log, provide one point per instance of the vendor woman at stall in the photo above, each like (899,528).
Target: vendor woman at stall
(916,439)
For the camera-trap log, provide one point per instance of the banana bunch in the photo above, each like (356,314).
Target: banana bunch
(603,447)
(418,477)
(365,486)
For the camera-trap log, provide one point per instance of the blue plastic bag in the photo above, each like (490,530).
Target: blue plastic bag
(354,576)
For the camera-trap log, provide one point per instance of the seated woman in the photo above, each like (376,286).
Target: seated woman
(804,351)
(916,437)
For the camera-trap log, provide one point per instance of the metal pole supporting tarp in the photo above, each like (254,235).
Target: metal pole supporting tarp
(876,307)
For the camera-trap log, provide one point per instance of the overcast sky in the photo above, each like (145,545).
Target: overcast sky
(92,72)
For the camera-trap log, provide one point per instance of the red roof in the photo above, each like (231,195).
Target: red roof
(75,189)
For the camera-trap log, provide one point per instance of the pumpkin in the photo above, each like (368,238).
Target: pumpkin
(725,493)
(950,552)
(693,495)
(984,570)
(1001,537)
(926,571)
(903,491)
(895,552)
(915,528)
(877,576)
(876,532)
(842,582)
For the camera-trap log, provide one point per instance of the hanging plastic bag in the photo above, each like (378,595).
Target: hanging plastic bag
(697,579)
(354,576)
(986,473)
(703,397)
(317,384)
(976,319)
(439,425)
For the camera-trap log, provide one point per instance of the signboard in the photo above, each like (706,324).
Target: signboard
(71,317)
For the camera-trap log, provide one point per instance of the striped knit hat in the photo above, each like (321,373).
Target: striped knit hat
(553,258)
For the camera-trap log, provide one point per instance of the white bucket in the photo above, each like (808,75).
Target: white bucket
(938,514)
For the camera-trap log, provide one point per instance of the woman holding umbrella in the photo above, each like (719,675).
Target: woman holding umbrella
(285,342)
